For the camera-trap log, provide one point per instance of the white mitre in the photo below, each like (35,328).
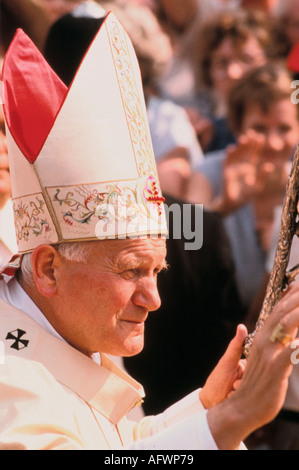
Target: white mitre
(81,158)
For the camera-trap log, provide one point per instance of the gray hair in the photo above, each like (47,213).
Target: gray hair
(76,251)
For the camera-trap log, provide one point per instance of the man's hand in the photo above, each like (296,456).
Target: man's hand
(228,373)
(241,179)
(263,388)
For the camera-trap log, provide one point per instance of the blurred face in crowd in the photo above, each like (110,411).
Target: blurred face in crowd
(279,125)
(230,62)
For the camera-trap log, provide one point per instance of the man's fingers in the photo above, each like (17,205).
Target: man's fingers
(286,311)
(235,347)
(237,384)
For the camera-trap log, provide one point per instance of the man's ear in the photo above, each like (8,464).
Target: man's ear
(45,260)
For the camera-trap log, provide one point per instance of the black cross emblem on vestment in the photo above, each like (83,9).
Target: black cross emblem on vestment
(19,343)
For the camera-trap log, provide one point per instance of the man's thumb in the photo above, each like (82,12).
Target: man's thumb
(235,347)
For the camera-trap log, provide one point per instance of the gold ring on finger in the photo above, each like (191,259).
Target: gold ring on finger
(278,334)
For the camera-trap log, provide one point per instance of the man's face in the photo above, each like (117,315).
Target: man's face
(104,303)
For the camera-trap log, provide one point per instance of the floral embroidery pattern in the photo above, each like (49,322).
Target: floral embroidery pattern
(85,205)
(135,111)
(30,219)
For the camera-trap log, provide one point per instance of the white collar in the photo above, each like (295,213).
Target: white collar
(12,293)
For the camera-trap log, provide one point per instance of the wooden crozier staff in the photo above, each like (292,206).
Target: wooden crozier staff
(280,279)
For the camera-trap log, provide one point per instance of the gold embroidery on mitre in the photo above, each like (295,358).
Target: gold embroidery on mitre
(134,105)
(109,210)
(32,220)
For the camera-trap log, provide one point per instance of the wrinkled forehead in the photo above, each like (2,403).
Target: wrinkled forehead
(140,250)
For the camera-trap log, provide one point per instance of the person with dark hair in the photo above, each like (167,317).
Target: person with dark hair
(227,47)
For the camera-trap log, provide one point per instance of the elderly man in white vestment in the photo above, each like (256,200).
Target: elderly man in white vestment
(91,230)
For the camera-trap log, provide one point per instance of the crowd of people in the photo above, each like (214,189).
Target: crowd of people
(217,77)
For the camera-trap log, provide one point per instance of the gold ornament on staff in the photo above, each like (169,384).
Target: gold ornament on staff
(280,279)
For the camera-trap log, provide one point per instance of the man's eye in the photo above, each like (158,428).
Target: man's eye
(130,273)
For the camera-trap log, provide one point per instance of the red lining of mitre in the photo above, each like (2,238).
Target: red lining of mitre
(31,118)
(33,95)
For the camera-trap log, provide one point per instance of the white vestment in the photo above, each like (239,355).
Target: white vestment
(54,397)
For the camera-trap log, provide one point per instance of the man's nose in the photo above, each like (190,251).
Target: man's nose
(147,295)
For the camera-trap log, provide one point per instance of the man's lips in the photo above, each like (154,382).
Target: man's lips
(135,321)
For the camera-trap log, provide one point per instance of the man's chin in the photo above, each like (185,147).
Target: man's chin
(133,347)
